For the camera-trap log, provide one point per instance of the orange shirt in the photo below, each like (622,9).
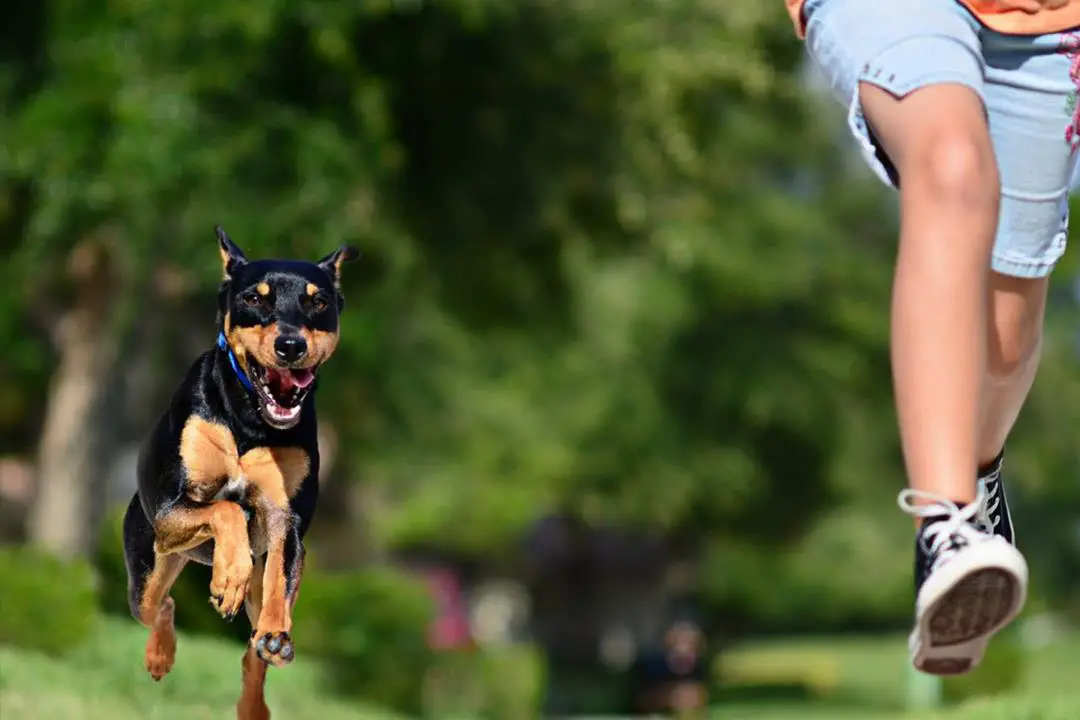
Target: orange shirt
(1015,17)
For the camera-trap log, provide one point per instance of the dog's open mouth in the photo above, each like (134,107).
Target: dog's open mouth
(281,392)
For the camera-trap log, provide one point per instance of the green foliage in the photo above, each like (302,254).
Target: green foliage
(48,604)
(105,678)
(370,628)
(615,264)
(503,682)
(514,682)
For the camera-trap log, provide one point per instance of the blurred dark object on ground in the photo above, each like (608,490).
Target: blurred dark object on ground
(673,679)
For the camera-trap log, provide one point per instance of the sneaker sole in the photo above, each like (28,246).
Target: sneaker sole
(955,628)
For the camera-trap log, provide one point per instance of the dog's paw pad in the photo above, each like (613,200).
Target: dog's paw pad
(275,648)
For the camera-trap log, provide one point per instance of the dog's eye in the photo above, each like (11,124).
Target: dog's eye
(318,303)
(252,299)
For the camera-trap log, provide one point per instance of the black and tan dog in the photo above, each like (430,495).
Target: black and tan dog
(229,476)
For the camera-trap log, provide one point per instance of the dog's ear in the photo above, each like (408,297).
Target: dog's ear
(232,257)
(332,265)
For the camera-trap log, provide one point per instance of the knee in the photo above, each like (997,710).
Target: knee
(956,168)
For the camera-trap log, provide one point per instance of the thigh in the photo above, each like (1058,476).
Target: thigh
(1031,98)
(897,46)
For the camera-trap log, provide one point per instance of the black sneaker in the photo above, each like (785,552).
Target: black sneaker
(995,515)
(969,583)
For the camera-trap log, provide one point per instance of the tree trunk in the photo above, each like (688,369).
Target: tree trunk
(70,459)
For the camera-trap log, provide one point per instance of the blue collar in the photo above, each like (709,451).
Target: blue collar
(224,345)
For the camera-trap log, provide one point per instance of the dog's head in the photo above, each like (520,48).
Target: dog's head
(280,320)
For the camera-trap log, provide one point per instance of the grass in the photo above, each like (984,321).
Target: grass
(865,679)
(105,679)
(856,679)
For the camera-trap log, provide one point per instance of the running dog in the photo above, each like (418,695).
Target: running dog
(229,475)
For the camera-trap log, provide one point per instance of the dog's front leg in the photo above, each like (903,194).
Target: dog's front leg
(187,524)
(280,584)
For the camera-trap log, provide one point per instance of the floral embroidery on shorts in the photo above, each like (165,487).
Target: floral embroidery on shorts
(1070,47)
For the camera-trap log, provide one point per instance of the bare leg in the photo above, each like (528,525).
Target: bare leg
(969,583)
(937,137)
(1014,341)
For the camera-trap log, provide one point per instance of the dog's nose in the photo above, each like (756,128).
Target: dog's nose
(290,348)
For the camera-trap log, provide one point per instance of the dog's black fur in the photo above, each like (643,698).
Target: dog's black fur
(229,475)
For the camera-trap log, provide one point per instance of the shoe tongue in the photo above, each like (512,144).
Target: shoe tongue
(936,512)
(992,470)
(939,515)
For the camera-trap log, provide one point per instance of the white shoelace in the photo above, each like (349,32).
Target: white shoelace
(943,539)
(986,515)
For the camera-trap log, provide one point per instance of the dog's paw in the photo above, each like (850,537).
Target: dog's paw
(161,645)
(229,585)
(159,662)
(274,648)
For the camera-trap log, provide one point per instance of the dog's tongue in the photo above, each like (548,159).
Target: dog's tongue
(300,377)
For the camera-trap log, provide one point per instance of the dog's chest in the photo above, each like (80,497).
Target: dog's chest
(234,489)
(215,469)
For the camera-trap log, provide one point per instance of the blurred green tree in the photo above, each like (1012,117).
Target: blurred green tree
(616,264)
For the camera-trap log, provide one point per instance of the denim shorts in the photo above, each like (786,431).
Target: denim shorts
(1028,85)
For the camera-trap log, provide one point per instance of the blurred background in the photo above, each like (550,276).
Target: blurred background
(610,428)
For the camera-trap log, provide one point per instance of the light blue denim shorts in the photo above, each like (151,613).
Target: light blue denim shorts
(1027,83)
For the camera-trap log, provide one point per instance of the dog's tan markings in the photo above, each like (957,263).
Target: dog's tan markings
(224,261)
(156,613)
(344,254)
(258,341)
(160,653)
(252,705)
(156,586)
(321,344)
(312,289)
(277,473)
(253,604)
(272,476)
(184,528)
(209,457)
(274,616)
(263,289)
(271,638)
